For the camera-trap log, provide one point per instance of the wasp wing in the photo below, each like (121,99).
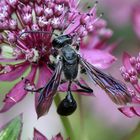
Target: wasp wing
(48,92)
(116,90)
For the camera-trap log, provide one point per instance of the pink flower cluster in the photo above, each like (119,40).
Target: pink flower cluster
(32,51)
(130,73)
(130,70)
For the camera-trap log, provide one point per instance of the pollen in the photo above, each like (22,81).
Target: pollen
(32,55)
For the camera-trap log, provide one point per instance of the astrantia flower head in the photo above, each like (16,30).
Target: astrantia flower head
(130,72)
(27,31)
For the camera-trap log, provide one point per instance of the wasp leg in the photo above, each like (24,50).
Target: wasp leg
(63,81)
(52,66)
(77,47)
(69,86)
(29,89)
(83,88)
(33,90)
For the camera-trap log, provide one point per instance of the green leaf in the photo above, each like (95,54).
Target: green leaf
(12,130)
(135,135)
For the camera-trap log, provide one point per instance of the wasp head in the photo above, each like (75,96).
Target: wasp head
(61,41)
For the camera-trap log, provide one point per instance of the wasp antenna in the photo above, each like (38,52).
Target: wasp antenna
(65,20)
(44,32)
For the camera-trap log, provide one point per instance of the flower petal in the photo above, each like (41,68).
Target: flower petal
(96,42)
(136,99)
(74,88)
(111,47)
(15,73)
(127,111)
(64,87)
(97,58)
(126,61)
(136,19)
(17,93)
(2,59)
(73,3)
(57,137)
(38,135)
(92,42)
(136,110)
(72,27)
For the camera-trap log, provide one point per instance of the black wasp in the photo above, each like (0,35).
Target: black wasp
(68,63)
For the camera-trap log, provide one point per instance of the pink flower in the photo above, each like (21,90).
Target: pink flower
(136,19)
(130,72)
(39,136)
(121,10)
(22,24)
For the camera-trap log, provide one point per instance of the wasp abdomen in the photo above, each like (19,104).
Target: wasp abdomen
(67,106)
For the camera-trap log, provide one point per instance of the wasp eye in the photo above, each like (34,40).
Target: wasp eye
(67,106)
(61,41)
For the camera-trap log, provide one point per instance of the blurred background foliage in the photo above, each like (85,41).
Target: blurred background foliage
(96,118)
(12,129)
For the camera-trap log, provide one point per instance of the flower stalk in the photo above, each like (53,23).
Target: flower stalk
(65,121)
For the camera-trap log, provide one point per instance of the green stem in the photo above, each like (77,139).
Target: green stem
(65,121)
(81,113)
(135,135)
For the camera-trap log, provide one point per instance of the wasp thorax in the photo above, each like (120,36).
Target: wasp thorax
(68,52)
(67,106)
